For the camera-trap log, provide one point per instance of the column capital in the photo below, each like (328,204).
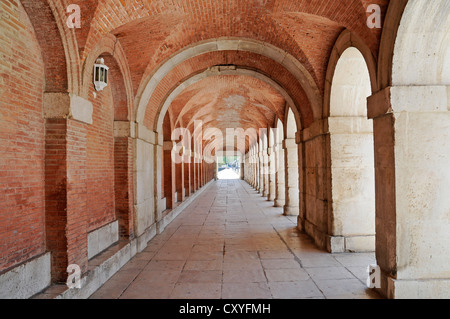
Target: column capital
(124,129)
(68,105)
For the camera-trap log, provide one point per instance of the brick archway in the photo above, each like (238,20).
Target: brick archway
(283,58)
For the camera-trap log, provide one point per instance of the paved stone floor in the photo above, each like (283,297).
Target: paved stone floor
(231,243)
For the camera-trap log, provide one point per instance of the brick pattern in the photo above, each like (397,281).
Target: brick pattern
(48,35)
(22,138)
(174,25)
(123,179)
(118,91)
(100,153)
(59,178)
(229,102)
(187,178)
(56,193)
(169,180)
(249,60)
(66,195)
(78,210)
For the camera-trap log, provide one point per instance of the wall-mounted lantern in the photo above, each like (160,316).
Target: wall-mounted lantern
(100,74)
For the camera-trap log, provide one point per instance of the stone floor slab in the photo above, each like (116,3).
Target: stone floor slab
(231,243)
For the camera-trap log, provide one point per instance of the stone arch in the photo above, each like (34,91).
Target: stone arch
(121,130)
(110,48)
(272,164)
(394,15)
(267,50)
(348,40)
(280,187)
(290,126)
(168,166)
(292,164)
(198,77)
(352,184)
(62,63)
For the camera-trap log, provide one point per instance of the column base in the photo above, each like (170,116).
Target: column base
(351,244)
(337,244)
(279,202)
(291,210)
(414,288)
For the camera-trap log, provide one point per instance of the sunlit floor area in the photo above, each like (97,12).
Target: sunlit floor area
(227,174)
(231,243)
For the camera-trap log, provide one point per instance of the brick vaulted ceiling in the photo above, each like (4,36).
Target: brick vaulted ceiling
(153,31)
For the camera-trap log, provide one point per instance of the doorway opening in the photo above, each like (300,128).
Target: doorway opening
(228,167)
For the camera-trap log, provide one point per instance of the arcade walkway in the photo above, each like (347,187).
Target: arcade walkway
(231,243)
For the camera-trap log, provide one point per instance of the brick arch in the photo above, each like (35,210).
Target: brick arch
(58,44)
(207,74)
(110,48)
(296,73)
(279,126)
(247,81)
(201,114)
(111,132)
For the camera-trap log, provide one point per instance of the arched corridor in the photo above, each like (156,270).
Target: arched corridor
(300,147)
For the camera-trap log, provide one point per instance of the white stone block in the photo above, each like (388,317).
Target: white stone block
(26,280)
(102,238)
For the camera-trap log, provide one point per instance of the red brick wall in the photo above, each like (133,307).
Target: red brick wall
(78,204)
(169,179)
(100,164)
(56,193)
(123,160)
(179,181)
(22,231)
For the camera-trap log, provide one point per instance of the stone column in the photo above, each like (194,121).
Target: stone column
(187,173)
(253,166)
(272,174)
(255,169)
(169,175)
(280,198)
(179,178)
(412,156)
(292,207)
(261,171)
(266,171)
